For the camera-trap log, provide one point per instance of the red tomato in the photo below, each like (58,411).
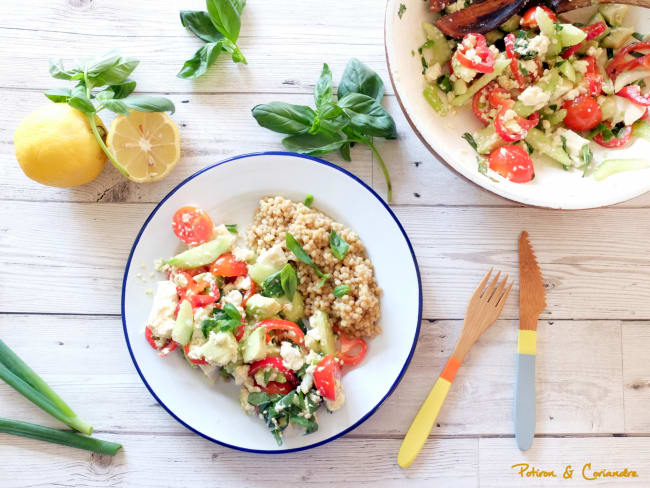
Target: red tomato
(249,293)
(186,349)
(288,329)
(513,163)
(480,103)
(633,92)
(275,363)
(583,113)
(477,44)
(227,265)
(276,388)
(192,225)
(623,138)
(529,20)
(352,349)
(164,349)
(195,290)
(327,373)
(620,63)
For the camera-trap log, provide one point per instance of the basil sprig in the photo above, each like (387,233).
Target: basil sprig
(226,319)
(294,246)
(219,28)
(341,291)
(338,245)
(110,70)
(355,115)
(283,282)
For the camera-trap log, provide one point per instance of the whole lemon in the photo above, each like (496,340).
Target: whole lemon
(56,147)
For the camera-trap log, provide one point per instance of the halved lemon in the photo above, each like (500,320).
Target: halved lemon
(146,144)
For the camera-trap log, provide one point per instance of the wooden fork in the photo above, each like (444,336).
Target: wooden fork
(482,311)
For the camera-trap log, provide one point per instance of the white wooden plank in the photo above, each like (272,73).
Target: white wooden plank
(578,392)
(584,257)
(159,461)
(497,456)
(636,376)
(212,128)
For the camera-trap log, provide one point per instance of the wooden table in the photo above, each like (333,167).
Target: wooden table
(63,251)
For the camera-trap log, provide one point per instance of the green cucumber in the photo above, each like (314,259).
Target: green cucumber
(202,254)
(440,51)
(436,98)
(460,87)
(617,37)
(629,77)
(614,14)
(499,66)
(487,140)
(641,128)
(254,346)
(598,17)
(321,322)
(544,144)
(568,71)
(555,117)
(511,25)
(184,326)
(613,166)
(493,36)
(570,35)
(547,27)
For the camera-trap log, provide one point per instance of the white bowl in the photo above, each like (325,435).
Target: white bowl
(552,187)
(229,191)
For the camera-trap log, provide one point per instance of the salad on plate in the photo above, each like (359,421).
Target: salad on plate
(281,315)
(542,85)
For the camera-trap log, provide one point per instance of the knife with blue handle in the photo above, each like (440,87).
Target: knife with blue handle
(532,301)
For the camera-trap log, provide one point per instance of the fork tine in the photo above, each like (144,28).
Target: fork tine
(490,289)
(499,291)
(479,289)
(503,299)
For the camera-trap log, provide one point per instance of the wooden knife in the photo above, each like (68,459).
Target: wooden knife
(532,301)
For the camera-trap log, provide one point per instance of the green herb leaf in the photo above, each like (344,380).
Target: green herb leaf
(226,16)
(143,103)
(368,116)
(444,82)
(338,245)
(324,91)
(294,246)
(60,73)
(482,165)
(470,140)
(80,101)
(605,132)
(117,106)
(284,118)
(358,78)
(223,320)
(201,61)
(289,280)
(309,199)
(309,424)
(401,10)
(638,36)
(58,95)
(232,228)
(529,149)
(272,286)
(114,74)
(345,151)
(199,23)
(259,398)
(564,148)
(314,144)
(587,157)
(341,291)
(121,90)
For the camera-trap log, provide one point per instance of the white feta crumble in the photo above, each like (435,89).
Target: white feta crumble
(161,317)
(574,144)
(432,73)
(291,356)
(534,96)
(339,398)
(539,44)
(581,66)
(243,254)
(179,280)
(306,383)
(233,297)
(240,374)
(243,283)
(312,339)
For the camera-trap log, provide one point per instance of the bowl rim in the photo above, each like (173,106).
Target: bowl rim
(368,414)
(453,168)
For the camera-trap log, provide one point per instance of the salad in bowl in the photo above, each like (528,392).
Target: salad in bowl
(543,85)
(281,314)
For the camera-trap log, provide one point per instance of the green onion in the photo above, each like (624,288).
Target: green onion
(42,401)
(32,431)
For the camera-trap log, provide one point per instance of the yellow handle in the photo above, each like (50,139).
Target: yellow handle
(422,424)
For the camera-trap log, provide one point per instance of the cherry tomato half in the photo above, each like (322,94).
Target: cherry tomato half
(164,349)
(513,163)
(529,19)
(583,113)
(192,225)
(353,349)
(622,138)
(226,265)
(327,373)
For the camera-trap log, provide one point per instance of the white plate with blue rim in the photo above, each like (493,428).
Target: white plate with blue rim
(230,191)
(552,187)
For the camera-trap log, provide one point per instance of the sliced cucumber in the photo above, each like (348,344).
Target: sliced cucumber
(487,140)
(614,13)
(184,326)
(321,322)
(493,36)
(512,24)
(568,71)
(436,98)
(641,128)
(202,254)
(440,50)
(547,27)
(570,35)
(613,166)
(617,37)
(499,66)
(254,347)
(460,87)
(629,77)
(544,144)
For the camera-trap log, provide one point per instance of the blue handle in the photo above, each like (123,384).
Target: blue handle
(525,401)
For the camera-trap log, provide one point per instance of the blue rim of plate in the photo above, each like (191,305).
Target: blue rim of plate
(399,376)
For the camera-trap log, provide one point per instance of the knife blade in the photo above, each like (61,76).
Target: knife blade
(532,301)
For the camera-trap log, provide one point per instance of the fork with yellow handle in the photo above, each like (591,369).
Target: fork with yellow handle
(482,311)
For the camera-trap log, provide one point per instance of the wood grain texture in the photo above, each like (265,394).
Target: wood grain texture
(636,376)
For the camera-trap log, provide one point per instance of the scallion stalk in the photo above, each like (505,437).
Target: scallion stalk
(40,400)
(25,429)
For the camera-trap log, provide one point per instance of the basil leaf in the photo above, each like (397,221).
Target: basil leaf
(272,286)
(368,116)
(232,311)
(58,95)
(59,72)
(97,64)
(226,16)
(294,246)
(80,101)
(587,157)
(232,228)
(324,91)
(341,291)
(201,61)
(104,95)
(401,10)
(143,103)
(114,74)
(338,245)
(470,140)
(358,78)
(309,200)
(605,132)
(123,89)
(232,49)
(199,23)
(309,424)
(314,144)
(284,118)
(329,111)
(259,398)
(117,106)
(289,280)
(224,320)
(345,151)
